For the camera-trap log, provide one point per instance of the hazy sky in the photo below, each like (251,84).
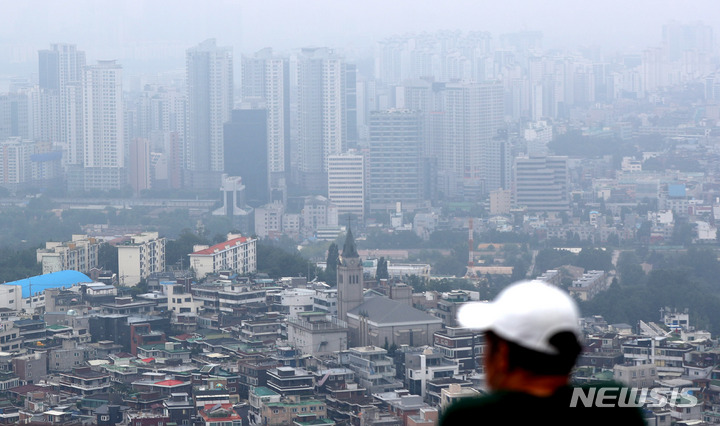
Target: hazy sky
(106,27)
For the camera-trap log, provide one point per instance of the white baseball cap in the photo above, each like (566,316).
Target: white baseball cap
(527,313)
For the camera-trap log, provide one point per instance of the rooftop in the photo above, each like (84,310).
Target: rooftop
(220,247)
(60,279)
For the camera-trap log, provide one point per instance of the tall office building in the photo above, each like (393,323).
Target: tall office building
(265,77)
(210,100)
(395,169)
(542,184)
(346,183)
(103,147)
(246,152)
(319,109)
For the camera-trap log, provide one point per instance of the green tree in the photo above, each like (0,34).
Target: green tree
(333,258)
(176,251)
(278,262)
(108,257)
(381,272)
(594,259)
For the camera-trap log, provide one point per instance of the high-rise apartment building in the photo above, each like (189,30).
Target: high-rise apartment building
(103,147)
(209,71)
(60,72)
(394,164)
(542,184)
(346,183)
(470,157)
(265,77)
(319,108)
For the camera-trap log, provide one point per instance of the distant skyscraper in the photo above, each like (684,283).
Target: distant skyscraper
(266,77)
(139,167)
(319,107)
(246,153)
(60,65)
(469,156)
(60,72)
(103,150)
(679,38)
(210,100)
(395,169)
(541,184)
(346,183)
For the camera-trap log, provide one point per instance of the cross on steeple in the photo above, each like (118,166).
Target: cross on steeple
(349,248)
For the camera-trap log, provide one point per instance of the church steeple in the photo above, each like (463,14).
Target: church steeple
(349,278)
(349,248)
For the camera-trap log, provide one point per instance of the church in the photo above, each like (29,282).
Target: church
(374,319)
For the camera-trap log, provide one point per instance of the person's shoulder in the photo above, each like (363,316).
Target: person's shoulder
(605,402)
(459,410)
(492,407)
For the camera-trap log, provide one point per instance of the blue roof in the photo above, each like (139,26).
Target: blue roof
(676,190)
(59,279)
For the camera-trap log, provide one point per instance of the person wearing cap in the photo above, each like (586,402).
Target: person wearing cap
(533,339)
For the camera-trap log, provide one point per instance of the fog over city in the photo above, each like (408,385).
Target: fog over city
(108,29)
(264,213)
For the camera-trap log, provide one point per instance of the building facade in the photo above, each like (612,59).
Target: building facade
(79,254)
(237,254)
(103,156)
(346,183)
(394,170)
(542,184)
(209,74)
(141,255)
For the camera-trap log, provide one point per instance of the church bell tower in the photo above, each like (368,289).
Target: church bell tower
(349,278)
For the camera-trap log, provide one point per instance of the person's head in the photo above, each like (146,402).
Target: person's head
(531,327)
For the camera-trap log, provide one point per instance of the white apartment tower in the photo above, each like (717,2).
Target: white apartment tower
(60,72)
(209,71)
(265,77)
(138,257)
(470,157)
(346,183)
(318,108)
(103,127)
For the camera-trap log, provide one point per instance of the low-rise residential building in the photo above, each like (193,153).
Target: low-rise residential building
(636,375)
(426,365)
(165,353)
(454,393)
(237,254)
(78,254)
(289,410)
(84,381)
(290,381)
(31,368)
(139,256)
(219,415)
(374,370)
(589,285)
(667,356)
(462,346)
(226,297)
